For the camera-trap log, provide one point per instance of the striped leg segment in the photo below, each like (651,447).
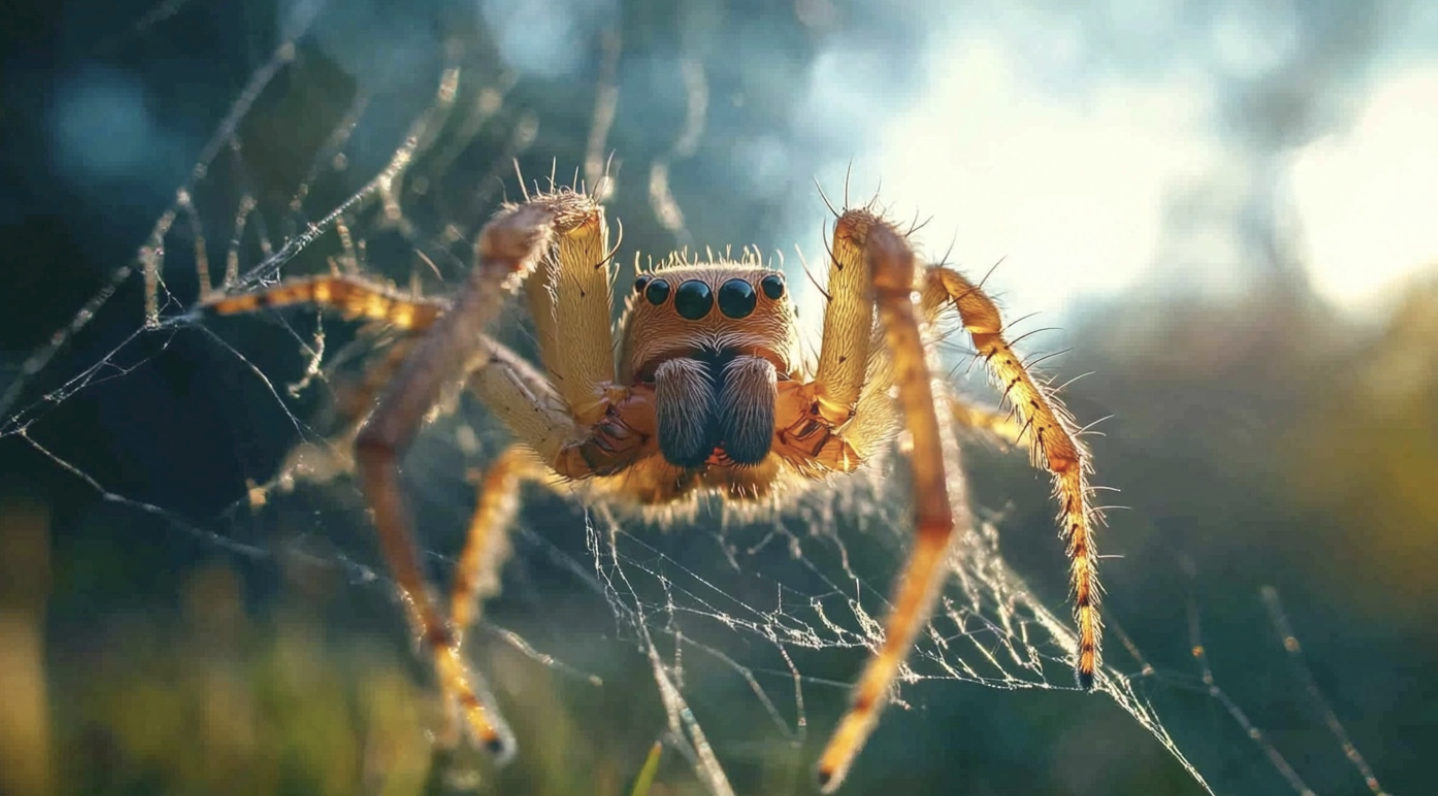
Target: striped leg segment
(487,544)
(353,297)
(1053,444)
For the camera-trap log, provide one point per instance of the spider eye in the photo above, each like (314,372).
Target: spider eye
(657,292)
(737,298)
(693,300)
(640,283)
(773,286)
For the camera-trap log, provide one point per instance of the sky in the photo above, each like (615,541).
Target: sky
(1088,151)
(1368,198)
(1087,181)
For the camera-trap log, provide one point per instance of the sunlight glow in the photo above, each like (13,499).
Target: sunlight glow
(1067,189)
(1368,198)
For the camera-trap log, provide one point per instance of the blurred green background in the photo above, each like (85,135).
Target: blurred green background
(1226,209)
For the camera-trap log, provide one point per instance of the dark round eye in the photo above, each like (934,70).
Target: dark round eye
(693,300)
(773,286)
(640,283)
(737,298)
(657,292)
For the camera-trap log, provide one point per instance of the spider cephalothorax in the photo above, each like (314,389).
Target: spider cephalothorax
(698,390)
(711,343)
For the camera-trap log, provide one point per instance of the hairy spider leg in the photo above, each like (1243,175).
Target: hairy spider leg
(354,297)
(553,448)
(486,546)
(570,300)
(866,244)
(506,251)
(1052,442)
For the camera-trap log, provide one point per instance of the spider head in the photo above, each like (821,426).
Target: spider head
(711,340)
(701,310)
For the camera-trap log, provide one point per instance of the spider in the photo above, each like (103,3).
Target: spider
(707,395)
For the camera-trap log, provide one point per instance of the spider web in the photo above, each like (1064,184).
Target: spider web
(367,143)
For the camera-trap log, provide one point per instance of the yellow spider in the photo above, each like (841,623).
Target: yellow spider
(707,396)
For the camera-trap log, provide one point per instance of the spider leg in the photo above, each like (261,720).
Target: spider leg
(486,548)
(531,406)
(570,299)
(553,447)
(1005,427)
(1052,443)
(354,399)
(848,334)
(846,415)
(865,243)
(506,251)
(353,296)
(486,545)
(575,416)
(577,420)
